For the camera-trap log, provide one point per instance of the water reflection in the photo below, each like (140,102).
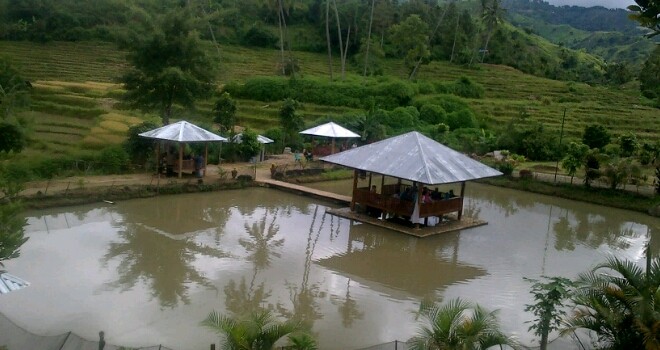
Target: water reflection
(157,247)
(401,267)
(240,251)
(303,297)
(262,246)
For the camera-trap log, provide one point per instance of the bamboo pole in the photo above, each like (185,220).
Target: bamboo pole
(206,158)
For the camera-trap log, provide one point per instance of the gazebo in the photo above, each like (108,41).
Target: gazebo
(183,132)
(238,138)
(332,131)
(416,158)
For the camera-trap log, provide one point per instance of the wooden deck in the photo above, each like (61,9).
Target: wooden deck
(446,226)
(338,198)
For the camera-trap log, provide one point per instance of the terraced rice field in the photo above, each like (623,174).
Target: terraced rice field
(75,100)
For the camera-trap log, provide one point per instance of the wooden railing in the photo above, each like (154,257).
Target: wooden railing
(393,205)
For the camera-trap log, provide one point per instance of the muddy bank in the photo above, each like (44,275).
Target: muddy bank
(117,193)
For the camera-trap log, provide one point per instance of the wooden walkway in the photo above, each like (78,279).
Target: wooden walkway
(286,186)
(446,226)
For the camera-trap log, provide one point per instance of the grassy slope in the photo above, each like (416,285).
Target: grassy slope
(74,105)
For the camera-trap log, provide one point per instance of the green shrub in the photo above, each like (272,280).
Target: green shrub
(448,102)
(259,36)
(386,94)
(463,118)
(432,114)
(465,87)
(113,160)
(505,167)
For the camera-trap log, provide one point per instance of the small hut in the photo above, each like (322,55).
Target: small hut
(183,132)
(331,130)
(418,159)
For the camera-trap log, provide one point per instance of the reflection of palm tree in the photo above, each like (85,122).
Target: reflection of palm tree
(592,231)
(305,308)
(164,264)
(241,298)
(261,241)
(458,325)
(348,308)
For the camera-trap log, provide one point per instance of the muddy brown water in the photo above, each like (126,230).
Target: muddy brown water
(148,271)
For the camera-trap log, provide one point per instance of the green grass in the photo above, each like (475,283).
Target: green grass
(602,196)
(75,88)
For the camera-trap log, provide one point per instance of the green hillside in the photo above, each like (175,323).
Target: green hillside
(75,100)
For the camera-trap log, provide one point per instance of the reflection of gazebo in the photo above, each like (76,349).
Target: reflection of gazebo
(332,131)
(413,157)
(238,138)
(394,269)
(183,132)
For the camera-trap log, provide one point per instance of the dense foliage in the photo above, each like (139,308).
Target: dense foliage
(168,67)
(455,32)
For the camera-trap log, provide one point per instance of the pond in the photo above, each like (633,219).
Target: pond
(148,271)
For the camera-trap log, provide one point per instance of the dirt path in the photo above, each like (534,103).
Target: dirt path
(214,173)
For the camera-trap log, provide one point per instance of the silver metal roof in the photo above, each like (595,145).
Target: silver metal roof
(238,138)
(183,131)
(413,157)
(330,130)
(9,283)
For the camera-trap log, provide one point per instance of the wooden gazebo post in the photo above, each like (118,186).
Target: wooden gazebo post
(180,159)
(206,158)
(355,181)
(460,212)
(419,200)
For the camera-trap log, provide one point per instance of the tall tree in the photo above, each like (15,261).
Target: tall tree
(12,223)
(371,21)
(492,17)
(327,35)
(411,39)
(14,89)
(169,67)
(225,112)
(290,121)
(647,13)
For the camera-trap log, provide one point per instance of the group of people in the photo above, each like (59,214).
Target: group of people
(428,196)
(169,160)
(297,157)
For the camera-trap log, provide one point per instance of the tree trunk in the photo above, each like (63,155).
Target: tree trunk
(453,47)
(341,43)
(419,62)
(490,33)
(279,17)
(327,35)
(215,42)
(366,55)
(343,59)
(286,35)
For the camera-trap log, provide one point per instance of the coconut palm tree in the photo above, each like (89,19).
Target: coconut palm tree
(458,325)
(259,331)
(620,302)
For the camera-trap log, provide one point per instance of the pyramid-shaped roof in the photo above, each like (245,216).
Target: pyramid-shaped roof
(183,131)
(238,138)
(330,130)
(415,157)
